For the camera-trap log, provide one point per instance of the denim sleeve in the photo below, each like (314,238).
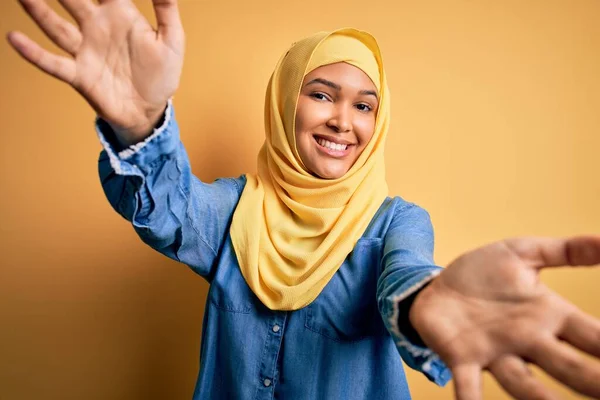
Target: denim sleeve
(408,266)
(151,185)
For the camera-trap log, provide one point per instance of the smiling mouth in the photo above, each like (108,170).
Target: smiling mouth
(332,149)
(330,145)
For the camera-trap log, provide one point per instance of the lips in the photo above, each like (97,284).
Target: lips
(332,149)
(333,140)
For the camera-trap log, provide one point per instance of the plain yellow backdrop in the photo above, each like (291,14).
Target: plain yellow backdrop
(495,131)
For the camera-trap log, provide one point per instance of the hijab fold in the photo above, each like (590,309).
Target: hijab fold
(291,231)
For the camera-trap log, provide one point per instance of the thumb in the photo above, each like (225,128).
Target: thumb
(168,19)
(539,252)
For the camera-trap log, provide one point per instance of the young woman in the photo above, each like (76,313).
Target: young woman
(320,283)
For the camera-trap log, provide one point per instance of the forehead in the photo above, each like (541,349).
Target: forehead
(344,74)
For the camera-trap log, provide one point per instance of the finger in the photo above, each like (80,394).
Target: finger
(467,382)
(548,252)
(79,9)
(60,67)
(582,331)
(61,32)
(515,377)
(564,363)
(167,18)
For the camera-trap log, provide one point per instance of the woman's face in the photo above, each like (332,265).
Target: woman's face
(335,118)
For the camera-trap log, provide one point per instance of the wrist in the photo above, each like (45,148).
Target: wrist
(138,131)
(405,326)
(418,309)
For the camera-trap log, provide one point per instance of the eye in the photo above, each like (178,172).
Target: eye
(364,107)
(319,96)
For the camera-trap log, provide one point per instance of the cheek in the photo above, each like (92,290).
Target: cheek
(311,115)
(364,128)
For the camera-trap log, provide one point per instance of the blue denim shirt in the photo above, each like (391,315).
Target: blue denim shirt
(345,345)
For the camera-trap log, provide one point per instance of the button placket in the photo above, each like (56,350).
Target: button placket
(274,339)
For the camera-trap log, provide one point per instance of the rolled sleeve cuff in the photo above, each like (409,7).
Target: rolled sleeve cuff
(415,355)
(138,157)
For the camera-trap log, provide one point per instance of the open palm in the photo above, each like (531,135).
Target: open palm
(120,64)
(489,311)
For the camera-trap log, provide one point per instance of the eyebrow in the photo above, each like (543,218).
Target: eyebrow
(337,87)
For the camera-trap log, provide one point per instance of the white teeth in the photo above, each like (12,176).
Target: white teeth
(332,146)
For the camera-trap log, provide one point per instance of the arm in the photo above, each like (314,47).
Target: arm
(120,64)
(488,310)
(127,71)
(407,267)
(151,185)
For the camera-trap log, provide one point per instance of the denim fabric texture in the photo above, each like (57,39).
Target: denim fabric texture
(345,345)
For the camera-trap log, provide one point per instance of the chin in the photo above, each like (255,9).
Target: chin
(330,174)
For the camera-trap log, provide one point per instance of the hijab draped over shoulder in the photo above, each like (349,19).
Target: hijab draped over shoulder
(291,231)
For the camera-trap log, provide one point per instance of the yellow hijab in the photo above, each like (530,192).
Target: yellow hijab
(291,231)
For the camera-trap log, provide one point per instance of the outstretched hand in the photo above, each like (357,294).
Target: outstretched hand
(488,310)
(122,66)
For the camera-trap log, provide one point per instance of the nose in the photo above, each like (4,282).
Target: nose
(340,120)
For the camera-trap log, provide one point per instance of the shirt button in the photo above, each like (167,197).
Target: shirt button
(276,328)
(267,382)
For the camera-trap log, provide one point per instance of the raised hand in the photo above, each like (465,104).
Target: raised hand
(489,311)
(119,63)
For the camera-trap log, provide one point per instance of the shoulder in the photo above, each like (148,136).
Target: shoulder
(394,208)
(401,206)
(407,210)
(235,185)
(397,212)
(409,227)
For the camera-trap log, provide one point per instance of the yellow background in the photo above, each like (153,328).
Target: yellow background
(495,131)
